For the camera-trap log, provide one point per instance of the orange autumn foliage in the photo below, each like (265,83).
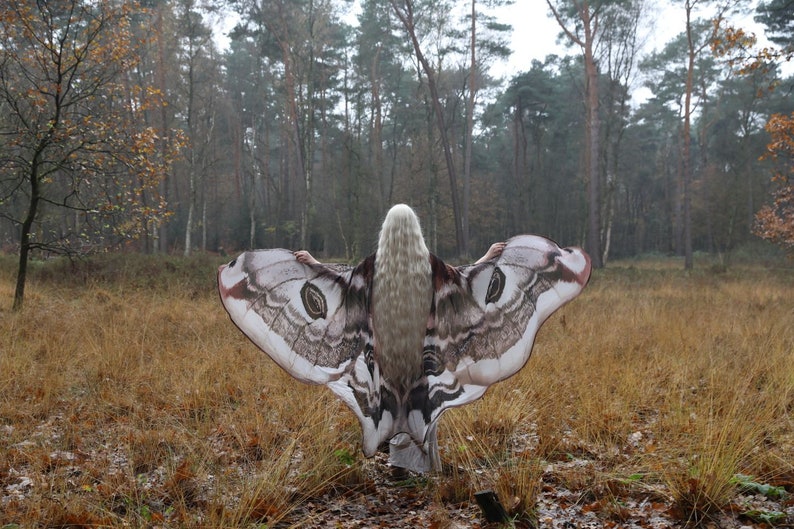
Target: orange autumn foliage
(775,222)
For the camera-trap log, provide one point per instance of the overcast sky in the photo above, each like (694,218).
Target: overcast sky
(535,32)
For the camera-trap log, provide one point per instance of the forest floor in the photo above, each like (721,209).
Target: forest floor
(659,398)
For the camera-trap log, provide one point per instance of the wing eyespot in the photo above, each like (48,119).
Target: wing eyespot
(313,301)
(496,286)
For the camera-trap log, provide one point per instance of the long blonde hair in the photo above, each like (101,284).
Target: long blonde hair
(402,294)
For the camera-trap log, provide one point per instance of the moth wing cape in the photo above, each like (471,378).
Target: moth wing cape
(315,322)
(486,316)
(312,320)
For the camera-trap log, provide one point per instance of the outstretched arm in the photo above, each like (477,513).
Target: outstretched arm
(494,251)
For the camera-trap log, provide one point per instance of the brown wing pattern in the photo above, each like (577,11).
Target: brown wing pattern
(486,316)
(311,319)
(314,322)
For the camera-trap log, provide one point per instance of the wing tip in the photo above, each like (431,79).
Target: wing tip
(582,276)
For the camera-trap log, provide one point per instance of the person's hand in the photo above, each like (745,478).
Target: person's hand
(493,252)
(305,257)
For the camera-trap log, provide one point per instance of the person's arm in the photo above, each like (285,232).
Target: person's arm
(305,257)
(494,251)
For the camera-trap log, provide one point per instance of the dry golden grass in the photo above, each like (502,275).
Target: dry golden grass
(127,397)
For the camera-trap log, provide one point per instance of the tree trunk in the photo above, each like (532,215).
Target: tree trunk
(589,25)
(592,137)
(303,165)
(204,224)
(251,220)
(687,155)
(376,134)
(469,130)
(191,207)
(33,208)
(24,246)
(406,16)
(307,141)
(161,240)
(518,213)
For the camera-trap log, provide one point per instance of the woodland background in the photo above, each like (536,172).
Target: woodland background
(124,124)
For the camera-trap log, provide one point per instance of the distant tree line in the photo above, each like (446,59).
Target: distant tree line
(124,125)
